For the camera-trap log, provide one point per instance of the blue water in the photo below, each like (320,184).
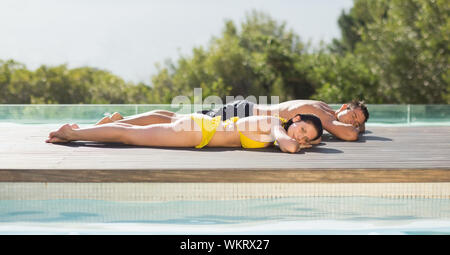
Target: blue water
(319,215)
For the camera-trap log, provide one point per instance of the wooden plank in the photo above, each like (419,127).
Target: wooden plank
(230,176)
(400,154)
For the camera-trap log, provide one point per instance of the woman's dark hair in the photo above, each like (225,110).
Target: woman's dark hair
(312,119)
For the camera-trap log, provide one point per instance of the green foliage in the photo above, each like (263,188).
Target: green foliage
(51,85)
(342,78)
(406,45)
(260,59)
(413,56)
(390,51)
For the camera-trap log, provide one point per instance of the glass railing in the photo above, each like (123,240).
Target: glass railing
(407,114)
(89,113)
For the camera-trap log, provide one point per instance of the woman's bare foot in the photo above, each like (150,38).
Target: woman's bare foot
(62,135)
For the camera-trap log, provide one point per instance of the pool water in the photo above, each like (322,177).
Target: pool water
(300,215)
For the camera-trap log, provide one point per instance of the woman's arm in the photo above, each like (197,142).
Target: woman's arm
(285,142)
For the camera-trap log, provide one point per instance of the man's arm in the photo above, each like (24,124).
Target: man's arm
(317,141)
(362,128)
(341,130)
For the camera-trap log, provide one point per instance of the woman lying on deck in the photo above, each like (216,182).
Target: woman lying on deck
(198,130)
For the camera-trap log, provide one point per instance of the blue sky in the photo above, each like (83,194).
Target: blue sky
(129,37)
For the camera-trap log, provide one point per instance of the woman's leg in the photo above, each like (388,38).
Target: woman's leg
(166,135)
(143,119)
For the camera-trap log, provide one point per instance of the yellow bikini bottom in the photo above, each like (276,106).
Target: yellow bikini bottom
(208,126)
(245,141)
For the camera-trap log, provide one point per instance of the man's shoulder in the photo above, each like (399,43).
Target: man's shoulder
(292,104)
(304,106)
(308,108)
(303,101)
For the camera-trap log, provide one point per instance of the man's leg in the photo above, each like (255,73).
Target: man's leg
(149,118)
(143,119)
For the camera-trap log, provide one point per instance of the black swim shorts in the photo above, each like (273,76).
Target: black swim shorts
(239,108)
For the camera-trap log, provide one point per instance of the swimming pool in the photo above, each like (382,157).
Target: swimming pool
(102,208)
(311,215)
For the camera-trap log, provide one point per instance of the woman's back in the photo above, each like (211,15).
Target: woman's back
(248,132)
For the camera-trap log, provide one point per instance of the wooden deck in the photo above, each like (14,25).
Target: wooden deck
(382,155)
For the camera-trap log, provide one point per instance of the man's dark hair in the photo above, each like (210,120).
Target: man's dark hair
(356,103)
(310,118)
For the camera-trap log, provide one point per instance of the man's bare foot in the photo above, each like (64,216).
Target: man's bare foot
(109,119)
(105,120)
(62,135)
(116,116)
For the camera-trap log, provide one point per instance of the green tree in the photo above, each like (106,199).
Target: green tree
(405,43)
(409,50)
(343,78)
(61,85)
(14,79)
(260,59)
(355,22)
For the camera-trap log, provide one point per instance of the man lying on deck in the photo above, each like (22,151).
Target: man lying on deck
(345,123)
